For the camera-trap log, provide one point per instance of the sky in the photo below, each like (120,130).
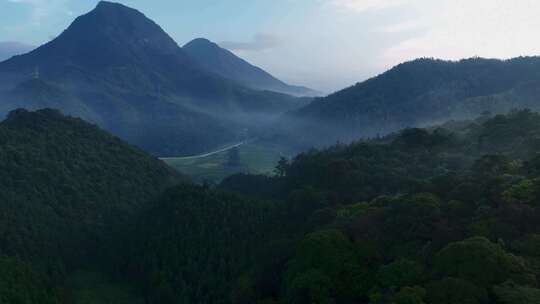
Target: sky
(324,44)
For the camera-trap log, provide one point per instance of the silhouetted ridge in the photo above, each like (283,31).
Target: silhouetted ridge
(110,5)
(40,120)
(201,42)
(226,64)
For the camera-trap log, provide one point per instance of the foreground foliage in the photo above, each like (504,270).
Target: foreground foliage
(445,215)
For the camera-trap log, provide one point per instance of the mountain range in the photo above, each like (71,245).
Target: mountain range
(120,70)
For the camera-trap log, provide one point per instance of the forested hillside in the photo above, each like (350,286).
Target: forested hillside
(418,93)
(448,214)
(68,189)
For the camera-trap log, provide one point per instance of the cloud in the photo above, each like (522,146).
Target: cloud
(405,26)
(367,5)
(464,28)
(260,42)
(9,49)
(43,9)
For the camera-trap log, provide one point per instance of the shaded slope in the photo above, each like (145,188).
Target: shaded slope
(223,62)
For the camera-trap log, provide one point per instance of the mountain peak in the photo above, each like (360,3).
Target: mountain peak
(200,42)
(115,17)
(115,10)
(111,34)
(110,4)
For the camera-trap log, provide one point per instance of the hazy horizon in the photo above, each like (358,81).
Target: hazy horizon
(324,44)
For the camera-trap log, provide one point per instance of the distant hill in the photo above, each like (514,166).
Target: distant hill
(66,188)
(115,67)
(224,63)
(418,93)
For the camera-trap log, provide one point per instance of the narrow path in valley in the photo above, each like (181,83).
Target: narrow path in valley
(207,154)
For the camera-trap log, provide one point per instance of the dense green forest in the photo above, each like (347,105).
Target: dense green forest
(448,214)
(68,190)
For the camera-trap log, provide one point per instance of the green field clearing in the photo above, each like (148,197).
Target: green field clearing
(255,159)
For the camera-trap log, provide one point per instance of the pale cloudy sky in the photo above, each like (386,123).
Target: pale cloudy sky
(325,44)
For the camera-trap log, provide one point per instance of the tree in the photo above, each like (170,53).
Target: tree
(20,284)
(510,293)
(492,165)
(482,262)
(455,291)
(410,295)
(282,167)
(311,286)
(523,192)
(233,158)
(330,255)
(399,274)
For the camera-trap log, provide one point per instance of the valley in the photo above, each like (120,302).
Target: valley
(213,167)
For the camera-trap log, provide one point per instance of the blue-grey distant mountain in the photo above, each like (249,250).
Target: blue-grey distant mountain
(224,63)
(418,93)
(119,69)
(9,49)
